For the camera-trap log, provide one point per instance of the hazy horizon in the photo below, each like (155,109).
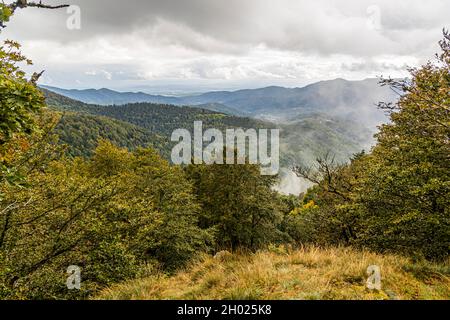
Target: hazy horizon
(190,90)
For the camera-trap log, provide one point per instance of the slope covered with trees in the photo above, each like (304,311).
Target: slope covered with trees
(164,119)
(133,125)
(81,133)
(303,138)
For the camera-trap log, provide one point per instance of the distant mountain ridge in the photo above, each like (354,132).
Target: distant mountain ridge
(106,97)
(354,99)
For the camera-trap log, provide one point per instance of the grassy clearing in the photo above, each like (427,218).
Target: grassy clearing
(308,273)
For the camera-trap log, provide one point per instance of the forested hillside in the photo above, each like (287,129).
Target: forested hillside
(133,125)
(303,138)
(107,97)
(164,119)
(81,133)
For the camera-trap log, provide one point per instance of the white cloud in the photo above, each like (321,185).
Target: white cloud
(103,73)
(250,42)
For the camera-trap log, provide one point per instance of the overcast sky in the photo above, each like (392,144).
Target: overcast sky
(199,45)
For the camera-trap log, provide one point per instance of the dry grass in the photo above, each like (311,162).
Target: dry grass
(308,273)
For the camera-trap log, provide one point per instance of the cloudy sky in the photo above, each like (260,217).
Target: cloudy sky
(164,46)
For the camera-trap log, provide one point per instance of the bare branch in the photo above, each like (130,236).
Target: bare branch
(35,77)
(21,4)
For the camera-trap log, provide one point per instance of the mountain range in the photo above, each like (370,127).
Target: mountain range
(336,116)
(353,99)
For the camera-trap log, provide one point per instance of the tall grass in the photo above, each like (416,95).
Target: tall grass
(306,273)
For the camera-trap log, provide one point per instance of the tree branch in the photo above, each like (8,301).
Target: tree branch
(25,4)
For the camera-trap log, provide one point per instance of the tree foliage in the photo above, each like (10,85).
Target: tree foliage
(20,102)
(238,203)
(111,215)
(397,197)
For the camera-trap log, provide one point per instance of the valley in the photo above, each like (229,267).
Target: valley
(337,117)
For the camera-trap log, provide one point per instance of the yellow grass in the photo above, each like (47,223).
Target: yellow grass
(308,273)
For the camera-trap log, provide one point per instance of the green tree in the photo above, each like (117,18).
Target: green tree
(327,214)
(406,192)
(20,100)
(110,215)
(397,197)
(238,203)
